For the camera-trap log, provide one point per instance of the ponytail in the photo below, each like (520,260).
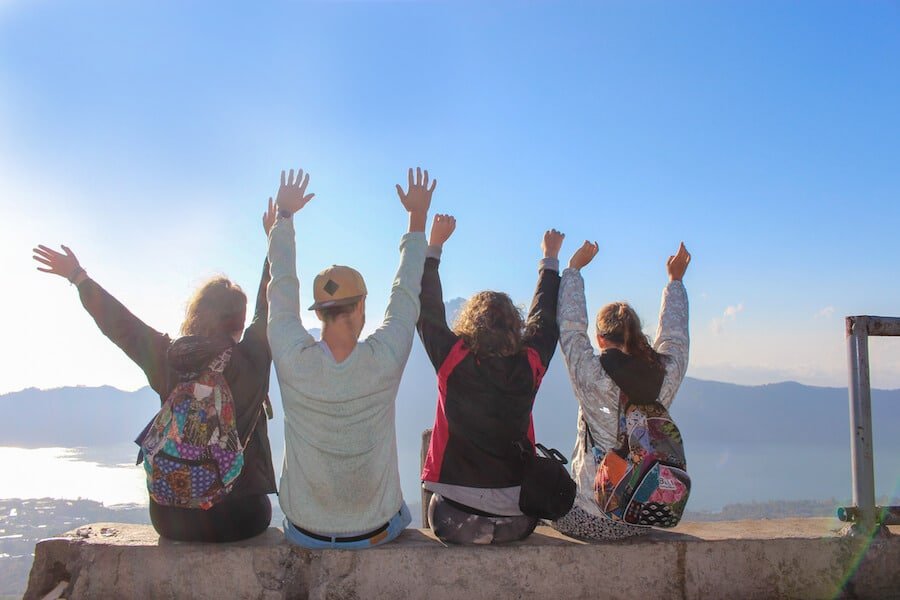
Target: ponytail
(618,323)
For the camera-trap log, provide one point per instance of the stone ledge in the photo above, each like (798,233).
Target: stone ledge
(779,558)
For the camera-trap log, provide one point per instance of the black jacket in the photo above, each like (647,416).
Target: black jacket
(247,372)
(484,403)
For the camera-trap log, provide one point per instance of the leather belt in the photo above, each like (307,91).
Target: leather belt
(355,538)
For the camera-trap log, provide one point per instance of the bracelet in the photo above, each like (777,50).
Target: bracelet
(285,214)
(75,274)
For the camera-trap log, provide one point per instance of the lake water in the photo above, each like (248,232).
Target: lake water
(106,475)
(721,474)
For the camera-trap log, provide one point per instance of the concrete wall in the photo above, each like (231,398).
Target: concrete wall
(788,558)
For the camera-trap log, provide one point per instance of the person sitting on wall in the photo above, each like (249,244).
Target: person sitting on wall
(489,367)
(213,323)
(340,486)
(656,370)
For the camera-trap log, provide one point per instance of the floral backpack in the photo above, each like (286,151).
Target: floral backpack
(191,450)
(644,481)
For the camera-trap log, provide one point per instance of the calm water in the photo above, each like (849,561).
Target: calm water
(721,474)
(106,475)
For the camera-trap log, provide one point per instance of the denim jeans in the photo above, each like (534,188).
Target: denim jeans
(395,527)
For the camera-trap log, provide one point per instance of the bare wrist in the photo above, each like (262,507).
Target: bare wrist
(417,221)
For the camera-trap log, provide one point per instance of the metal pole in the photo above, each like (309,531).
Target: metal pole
(861,456)
(426,495)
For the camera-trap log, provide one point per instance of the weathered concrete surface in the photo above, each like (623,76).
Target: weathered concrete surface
(784,558)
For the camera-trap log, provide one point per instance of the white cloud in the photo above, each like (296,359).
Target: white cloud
(729,314)
(825,312)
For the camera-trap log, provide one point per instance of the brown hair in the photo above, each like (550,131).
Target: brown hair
(490,325)
(327,315)
(618,323)
(218,307)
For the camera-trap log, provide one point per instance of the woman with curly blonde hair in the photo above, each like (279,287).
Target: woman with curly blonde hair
(489,368)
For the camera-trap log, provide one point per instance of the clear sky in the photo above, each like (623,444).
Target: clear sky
(147,136)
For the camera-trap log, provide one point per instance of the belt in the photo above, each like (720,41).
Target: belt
(354,538)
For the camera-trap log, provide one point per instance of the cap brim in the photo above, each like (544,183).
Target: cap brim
(335,303)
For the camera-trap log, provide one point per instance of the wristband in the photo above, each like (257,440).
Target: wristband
(285,214)
(75,274)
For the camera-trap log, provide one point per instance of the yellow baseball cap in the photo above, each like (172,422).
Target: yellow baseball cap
(337,286)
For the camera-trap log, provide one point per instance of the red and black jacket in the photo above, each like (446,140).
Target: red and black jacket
(484,403)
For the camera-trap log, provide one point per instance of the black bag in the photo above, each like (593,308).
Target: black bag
(548,492)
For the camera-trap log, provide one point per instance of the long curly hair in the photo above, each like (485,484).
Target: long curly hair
(490,325)
(218,307)
(620,324)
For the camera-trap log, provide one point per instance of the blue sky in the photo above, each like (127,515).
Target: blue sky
(147,137)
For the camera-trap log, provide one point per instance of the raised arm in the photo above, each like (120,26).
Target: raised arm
(672,337)
(434,332)
(541,327)
(140,342)
(286,333)
(587,376)
(398,328)
(255,339)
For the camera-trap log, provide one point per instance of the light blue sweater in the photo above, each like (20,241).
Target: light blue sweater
(340,472)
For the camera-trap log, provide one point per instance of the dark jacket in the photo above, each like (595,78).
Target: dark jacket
(247,372)
(484,403)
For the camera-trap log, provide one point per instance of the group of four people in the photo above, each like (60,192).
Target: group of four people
(340,483)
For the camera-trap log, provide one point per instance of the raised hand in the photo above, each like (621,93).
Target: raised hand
(65,265)
(292,194)
(552,242)
(584,255)
(269,217)
(678,264)
(417,198)
(442,227)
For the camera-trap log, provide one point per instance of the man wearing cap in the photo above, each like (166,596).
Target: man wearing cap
(340,485)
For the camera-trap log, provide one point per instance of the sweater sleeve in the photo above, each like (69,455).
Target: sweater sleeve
(585,372)
(673,339)
(287,336)
(541,327)
(143,344)
(399,325)
(436,336)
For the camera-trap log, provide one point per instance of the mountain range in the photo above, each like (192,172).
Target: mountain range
(744,443)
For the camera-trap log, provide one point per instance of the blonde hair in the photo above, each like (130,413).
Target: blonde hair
(490,325)
(620,324)
(218,307)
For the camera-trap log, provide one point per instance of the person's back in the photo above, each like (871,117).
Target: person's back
(489,368)
(340,485)
(213,323)
(627,366)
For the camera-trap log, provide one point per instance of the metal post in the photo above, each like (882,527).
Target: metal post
(426,495)
(861,456)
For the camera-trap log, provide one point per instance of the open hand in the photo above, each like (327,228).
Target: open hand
(417,198)
(442,227)
(552,242)
(678,264)
(65,265)
(269,217)
(292,194)
(584,255)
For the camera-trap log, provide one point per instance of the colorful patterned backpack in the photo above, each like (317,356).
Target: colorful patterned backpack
(191,450)
(644,481)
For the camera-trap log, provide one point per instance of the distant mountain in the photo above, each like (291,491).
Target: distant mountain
(793,438)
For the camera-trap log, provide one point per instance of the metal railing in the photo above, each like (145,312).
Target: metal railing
(864,515)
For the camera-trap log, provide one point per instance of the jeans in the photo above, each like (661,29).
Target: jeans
(395,527)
